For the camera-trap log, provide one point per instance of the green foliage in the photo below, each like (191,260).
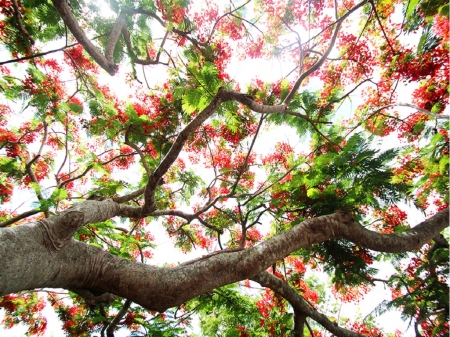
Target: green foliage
(205,84)
(348,264)
(422,294)
(428,41)
(225,309)
(353,178)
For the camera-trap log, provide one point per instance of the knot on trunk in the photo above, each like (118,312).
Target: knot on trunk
(59,230)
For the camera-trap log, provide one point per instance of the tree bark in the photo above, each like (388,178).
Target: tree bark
(44,254)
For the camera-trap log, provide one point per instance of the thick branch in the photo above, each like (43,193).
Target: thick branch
(61,228)
(114,36)
(64,10)
(79,265)
(161,288)
(402,242)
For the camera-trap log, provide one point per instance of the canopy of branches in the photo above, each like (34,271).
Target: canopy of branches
(145,116)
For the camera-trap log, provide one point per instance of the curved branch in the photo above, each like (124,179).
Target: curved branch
(299,304)
(112,326)
(192,279)
(319,63)
(29,169)
(270,109)
(161,288)
(130,196)
(175,150)
(114,36)
(316,65)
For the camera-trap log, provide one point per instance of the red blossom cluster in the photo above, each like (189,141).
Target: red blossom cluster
(390,219)
(363,329)
(270,302)
(280,157)
(350,294)
(26,309)
(75,58)
(231,26)
(171,10)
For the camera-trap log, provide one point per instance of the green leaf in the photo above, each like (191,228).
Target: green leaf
(436,108)
(111,133)
(411,8)
(443,164)
(192,100)
(76,108)
(284,89)
(94,108)
(59,194)
(313,193)
(444,10)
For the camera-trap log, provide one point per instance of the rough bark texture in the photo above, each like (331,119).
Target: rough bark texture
(44,254)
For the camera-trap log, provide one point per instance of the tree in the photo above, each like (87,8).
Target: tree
(180,152)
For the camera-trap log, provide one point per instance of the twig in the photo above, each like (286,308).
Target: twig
(381,26)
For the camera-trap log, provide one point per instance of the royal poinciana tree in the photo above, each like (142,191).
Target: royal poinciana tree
(89,173)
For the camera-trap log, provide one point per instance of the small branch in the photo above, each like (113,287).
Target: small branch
(148,61)
(172,155)
(130,196)
(429,113)
(66,150)
(29,57)
(28,166)
(224,15)
(138,150)
(319,63)
(19,217)
(241,172)
(269,109)
(345,95)
(20,23)
(112,326)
